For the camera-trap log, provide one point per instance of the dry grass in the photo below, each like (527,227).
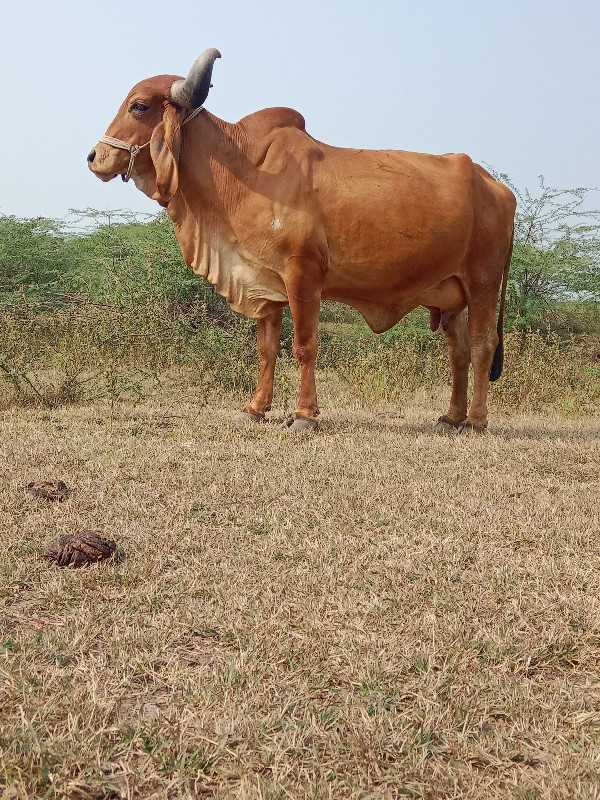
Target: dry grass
(373,612)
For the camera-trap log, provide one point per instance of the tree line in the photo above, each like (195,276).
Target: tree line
(119,259)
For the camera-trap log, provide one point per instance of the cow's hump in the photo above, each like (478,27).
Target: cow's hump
(270,118)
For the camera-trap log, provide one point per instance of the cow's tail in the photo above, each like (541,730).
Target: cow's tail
(498,360)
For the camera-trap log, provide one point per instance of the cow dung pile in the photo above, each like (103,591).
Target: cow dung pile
(49,490)
(73,549)
(80,549)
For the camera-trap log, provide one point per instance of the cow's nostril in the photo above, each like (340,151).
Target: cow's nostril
(91,156)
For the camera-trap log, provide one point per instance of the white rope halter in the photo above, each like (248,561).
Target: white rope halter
(134,149)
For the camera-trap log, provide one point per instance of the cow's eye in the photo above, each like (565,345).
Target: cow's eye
(138,108)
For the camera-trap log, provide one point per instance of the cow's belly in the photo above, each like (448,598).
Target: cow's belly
(383,313)
(411,271)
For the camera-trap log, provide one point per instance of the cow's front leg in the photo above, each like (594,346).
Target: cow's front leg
(304,279)
(268,338)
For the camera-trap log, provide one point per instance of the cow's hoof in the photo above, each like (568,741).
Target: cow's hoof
(467,427)
(444,426)
(249,416)
(296,424)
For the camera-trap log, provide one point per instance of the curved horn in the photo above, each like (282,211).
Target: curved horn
(193,91)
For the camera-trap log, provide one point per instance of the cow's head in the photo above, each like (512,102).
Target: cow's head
(143,140)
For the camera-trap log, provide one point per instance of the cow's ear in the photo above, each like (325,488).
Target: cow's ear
(164,151)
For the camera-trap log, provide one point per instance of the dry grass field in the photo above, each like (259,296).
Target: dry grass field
(371,612)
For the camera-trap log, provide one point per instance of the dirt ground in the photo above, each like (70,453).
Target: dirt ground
(371,612)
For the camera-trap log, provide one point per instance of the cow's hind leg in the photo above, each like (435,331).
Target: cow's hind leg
(459,352)
(303,278)
(485,335)
(484,340)
(268,337)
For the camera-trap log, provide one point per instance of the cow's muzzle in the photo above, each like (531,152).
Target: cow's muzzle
(132,149)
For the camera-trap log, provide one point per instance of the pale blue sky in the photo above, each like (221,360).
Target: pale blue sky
(512,83)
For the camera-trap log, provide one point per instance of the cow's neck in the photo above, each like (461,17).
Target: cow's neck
(212,166)
(212,156)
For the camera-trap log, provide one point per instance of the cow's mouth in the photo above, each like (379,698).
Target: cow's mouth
(111,176)
(104,176)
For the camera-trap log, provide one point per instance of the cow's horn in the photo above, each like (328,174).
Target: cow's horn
(193,91)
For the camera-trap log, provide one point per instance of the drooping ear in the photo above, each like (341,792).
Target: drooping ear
(164,151)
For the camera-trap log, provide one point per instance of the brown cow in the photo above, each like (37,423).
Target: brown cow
(272,217)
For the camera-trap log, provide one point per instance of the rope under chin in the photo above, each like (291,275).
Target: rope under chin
(134,149)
